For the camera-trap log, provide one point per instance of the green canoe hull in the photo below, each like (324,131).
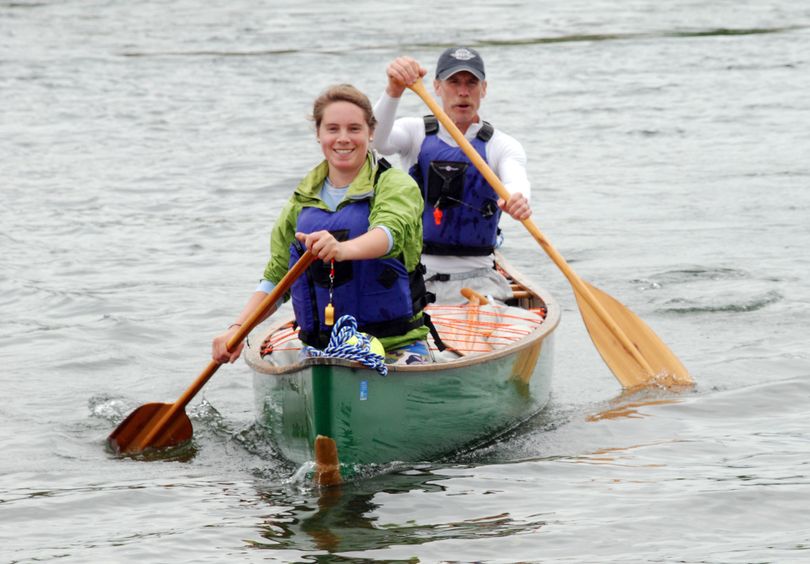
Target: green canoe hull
(405,416)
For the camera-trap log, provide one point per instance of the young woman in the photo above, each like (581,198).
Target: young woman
(362,219)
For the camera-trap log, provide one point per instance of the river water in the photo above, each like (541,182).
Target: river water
(145,149)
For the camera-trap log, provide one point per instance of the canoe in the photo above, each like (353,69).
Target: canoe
(326,410)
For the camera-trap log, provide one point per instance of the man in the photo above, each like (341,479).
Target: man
(460,220)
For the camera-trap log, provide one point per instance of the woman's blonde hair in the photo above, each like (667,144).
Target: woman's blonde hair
(343,93)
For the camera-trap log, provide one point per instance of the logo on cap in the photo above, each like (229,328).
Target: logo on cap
(462,54)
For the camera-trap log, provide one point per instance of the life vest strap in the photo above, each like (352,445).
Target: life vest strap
(432,128)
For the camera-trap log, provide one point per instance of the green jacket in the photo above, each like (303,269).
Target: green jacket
(396,203)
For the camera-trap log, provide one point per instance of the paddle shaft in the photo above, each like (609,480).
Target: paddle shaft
(502,192)
(250,323)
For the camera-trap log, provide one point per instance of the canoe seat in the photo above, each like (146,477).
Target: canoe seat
(472,329)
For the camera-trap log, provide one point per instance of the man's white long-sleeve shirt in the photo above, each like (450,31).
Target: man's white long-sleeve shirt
(404,136)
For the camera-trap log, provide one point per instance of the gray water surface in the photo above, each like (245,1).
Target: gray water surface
(145,150)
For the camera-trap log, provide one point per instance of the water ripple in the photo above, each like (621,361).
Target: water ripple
(754,303)
(597,37)
(573,38)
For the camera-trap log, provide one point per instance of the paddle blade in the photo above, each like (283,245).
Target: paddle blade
(667,369)
(131,436)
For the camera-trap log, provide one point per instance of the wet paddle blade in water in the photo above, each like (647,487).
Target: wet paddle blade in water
(130,435)
(160,425)
(667,370)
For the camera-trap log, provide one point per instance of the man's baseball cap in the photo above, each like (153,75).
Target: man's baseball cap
(457,59)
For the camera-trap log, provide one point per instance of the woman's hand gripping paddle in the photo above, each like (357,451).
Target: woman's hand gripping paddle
(632,351)
(160,425)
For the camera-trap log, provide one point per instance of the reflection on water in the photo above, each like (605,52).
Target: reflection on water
(343,518)
(629,410)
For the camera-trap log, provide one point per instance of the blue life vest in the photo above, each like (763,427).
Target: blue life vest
(461,209)
(380,293)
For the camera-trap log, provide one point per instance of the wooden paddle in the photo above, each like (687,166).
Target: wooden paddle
(632,351)
(160,425)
